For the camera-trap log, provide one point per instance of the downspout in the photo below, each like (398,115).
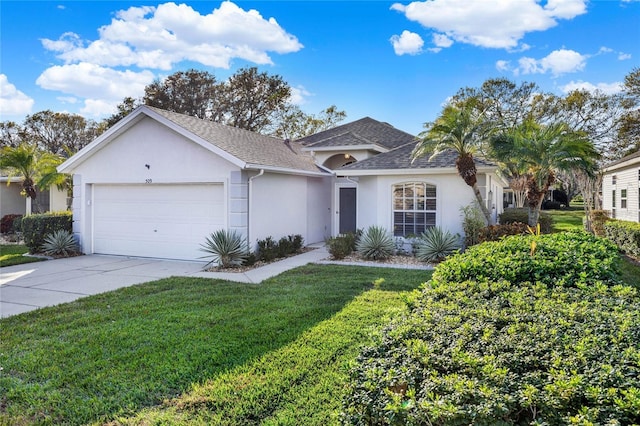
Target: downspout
(249,213)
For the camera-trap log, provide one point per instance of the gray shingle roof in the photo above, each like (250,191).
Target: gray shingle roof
(400,158)
(249,147)
(359,132)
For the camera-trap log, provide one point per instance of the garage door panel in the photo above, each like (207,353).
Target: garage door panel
(168,221)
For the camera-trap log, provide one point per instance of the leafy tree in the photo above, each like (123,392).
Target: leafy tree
(250,100)
(189,92)
(292,123)
(58,133)
(464,129)
(9,134)
(31,164)
(538,152)
(125,108)
(629,130)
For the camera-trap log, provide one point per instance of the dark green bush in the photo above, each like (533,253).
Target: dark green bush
(626,235)
(496,232)
(563,259)
(36,227)
(341,246)
(521,215)
(495,353)
(269,249)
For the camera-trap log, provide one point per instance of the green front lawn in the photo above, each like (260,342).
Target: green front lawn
(12,254)
(567,220)
(189,350)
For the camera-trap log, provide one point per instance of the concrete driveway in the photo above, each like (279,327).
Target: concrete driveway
(31,286)
(34,285)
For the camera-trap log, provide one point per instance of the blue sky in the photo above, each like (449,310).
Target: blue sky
(393,61)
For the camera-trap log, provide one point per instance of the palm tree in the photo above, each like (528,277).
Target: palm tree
(32,165)
(462,128)
(538,152)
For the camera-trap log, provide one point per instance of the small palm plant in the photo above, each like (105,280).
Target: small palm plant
(226,248)
(435,244)
(60,243)
(375,244)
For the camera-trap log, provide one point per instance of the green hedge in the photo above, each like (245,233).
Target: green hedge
(491,351)
(563,259)
(514,215)
(626,235)
(36,227)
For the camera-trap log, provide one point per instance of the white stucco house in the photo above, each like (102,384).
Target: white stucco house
(621,188)
(13,202)
(157,183)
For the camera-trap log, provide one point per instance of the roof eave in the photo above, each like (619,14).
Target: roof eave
(286,171)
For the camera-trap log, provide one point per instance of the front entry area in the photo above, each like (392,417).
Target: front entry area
(347,210)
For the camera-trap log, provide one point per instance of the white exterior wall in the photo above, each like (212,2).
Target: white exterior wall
(11,202)
(626,178)
(375,200)
(171,159)
(57,200)
(283,205)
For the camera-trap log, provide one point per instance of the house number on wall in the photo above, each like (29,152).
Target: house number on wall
(148,181)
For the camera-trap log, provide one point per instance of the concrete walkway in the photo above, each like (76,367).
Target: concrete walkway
(31,286)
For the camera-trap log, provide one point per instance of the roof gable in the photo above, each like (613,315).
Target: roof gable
(244,148)
(365,131)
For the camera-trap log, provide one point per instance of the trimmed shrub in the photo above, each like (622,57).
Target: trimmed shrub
(341,246)
(36,227)
(496,353)
(60,243)
(7,223)
(267,249)
(497,232)
(435,244)
(626,235)
(565,259)
(501,337)
(521,215)
(226,248)
(376,243)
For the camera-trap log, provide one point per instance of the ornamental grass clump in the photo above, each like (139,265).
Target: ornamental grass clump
(226,248)
(60,243)
(435,244)
(375,244)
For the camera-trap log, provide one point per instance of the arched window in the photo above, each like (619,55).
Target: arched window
(414,208)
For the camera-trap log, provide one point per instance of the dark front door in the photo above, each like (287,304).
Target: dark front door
(347,210)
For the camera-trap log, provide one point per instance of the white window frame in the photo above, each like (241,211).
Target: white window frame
(415,210)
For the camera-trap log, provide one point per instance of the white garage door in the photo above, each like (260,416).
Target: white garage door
(165,221)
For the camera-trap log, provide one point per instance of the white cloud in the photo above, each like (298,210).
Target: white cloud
(607,88)
(159,37)
(299,95)
(12,100)
(558,62)
(407,43)
(102,88)
(624,56)
(442,40)
(503,65)
(490,23)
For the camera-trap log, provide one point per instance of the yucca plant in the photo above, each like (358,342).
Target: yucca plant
(60,243)
(375,244)
(435,244)
(226,248)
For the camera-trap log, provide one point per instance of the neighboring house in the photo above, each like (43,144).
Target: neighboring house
(157,183)
(12,202)
(377,183)
(621,188)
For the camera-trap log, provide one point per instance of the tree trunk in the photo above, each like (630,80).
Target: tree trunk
(483,207)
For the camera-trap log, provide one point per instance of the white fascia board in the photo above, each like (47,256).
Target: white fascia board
(286,171)
(623,165)
(343,148)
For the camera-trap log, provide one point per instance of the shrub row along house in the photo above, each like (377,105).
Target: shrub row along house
(157,183)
